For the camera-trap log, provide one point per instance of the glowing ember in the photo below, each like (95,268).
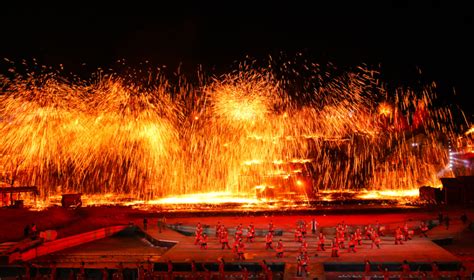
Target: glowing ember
(389,194)
(208,198)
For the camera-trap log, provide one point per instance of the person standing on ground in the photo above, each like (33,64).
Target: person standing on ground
(358,236)
(406,232)
(159,225)
(271,228)
(321,241)
(351,244)
(53,268)
(250,233)
(193,269)
(299,266)
(140,271)
(207,272)
(446,221)
(170,269)
(218,228)
(105,274)
(303,227)
(424,229)
(335,248)
(198,233)
(149,265)
(203,241)
(245,273)
(279,249)
(376,241)
(241,250)
(221,268)
(386,274)
(367,266)
(398,236)
(304,264)
(314,226)
(464,218)
(27,267)
(298,235)
(269,241)
(269,274)
(33,231)
(304,246)
(163,222)
(405,270)
(224,239)
(145,223)
(435,271)
(82,268)
(26,231)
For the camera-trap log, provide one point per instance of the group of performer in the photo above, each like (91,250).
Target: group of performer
(344,238)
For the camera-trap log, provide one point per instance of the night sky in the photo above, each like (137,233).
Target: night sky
(435,36)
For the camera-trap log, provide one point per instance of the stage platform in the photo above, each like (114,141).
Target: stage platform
(180,249)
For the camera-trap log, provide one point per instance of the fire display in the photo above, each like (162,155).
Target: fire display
(255,134)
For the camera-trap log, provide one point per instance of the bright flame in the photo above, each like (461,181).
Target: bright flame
(385,109)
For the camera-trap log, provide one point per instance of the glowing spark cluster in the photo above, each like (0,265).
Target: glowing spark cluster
(251,133)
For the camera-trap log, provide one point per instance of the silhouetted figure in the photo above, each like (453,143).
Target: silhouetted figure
(33,231)
(461,273)
(446,222)
(245,273)
(440,218)
(193,269)
(163,223)
(119,273)
(435,270)
(367,267)
(141,271)
(423,275)
(82,268)
(207,272)
(464,218)
(145,223)
(405,270)
(26,231)
(314,226)
(170,269)
(424,229)
(149,265)
(159,225)
(53,273)
(105,274)
(27,267)
(386,274)
(335,249)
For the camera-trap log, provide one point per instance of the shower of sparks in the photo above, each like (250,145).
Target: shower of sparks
(240,137)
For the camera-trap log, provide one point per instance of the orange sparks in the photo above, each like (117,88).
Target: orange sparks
(239,138)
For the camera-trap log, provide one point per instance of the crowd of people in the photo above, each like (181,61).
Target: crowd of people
(146,271)
(341,239)
(352,236)
(347,239)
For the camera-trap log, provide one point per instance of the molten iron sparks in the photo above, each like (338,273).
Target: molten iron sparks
(242,138)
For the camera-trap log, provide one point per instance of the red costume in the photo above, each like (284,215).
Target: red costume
(268,241)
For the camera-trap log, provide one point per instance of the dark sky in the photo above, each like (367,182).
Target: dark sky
(436,36)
